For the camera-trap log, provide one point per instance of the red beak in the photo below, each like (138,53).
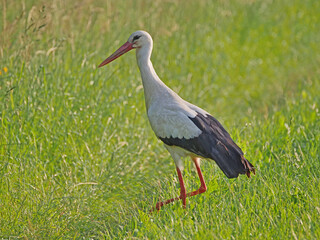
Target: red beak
(122,50)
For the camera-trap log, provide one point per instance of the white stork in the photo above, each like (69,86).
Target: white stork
(185,129)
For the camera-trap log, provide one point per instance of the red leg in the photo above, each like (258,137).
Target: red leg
(203,186)
(183,194)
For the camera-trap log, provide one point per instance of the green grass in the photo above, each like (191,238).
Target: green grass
(78,158)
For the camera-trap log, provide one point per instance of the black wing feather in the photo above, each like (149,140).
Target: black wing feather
(215,143)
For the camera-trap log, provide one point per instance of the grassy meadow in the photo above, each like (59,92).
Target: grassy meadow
(78,159)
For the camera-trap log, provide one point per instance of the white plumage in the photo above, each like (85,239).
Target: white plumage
(172,120)
(186,129)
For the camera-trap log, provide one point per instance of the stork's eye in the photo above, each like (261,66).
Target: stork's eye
(136,37)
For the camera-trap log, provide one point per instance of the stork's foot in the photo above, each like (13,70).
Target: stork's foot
(160,204)
(202,189)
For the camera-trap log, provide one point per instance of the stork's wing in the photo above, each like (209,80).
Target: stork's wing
(173,123)
(213,142)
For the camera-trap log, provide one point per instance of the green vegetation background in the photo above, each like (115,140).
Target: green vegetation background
(78,158)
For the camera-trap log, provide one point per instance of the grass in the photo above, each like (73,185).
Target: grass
(78,159)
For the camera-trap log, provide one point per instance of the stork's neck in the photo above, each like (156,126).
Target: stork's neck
(152,85)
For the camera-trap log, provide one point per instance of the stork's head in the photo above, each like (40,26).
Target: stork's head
(138,40)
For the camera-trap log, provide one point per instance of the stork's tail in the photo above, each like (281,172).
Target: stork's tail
(247,166)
